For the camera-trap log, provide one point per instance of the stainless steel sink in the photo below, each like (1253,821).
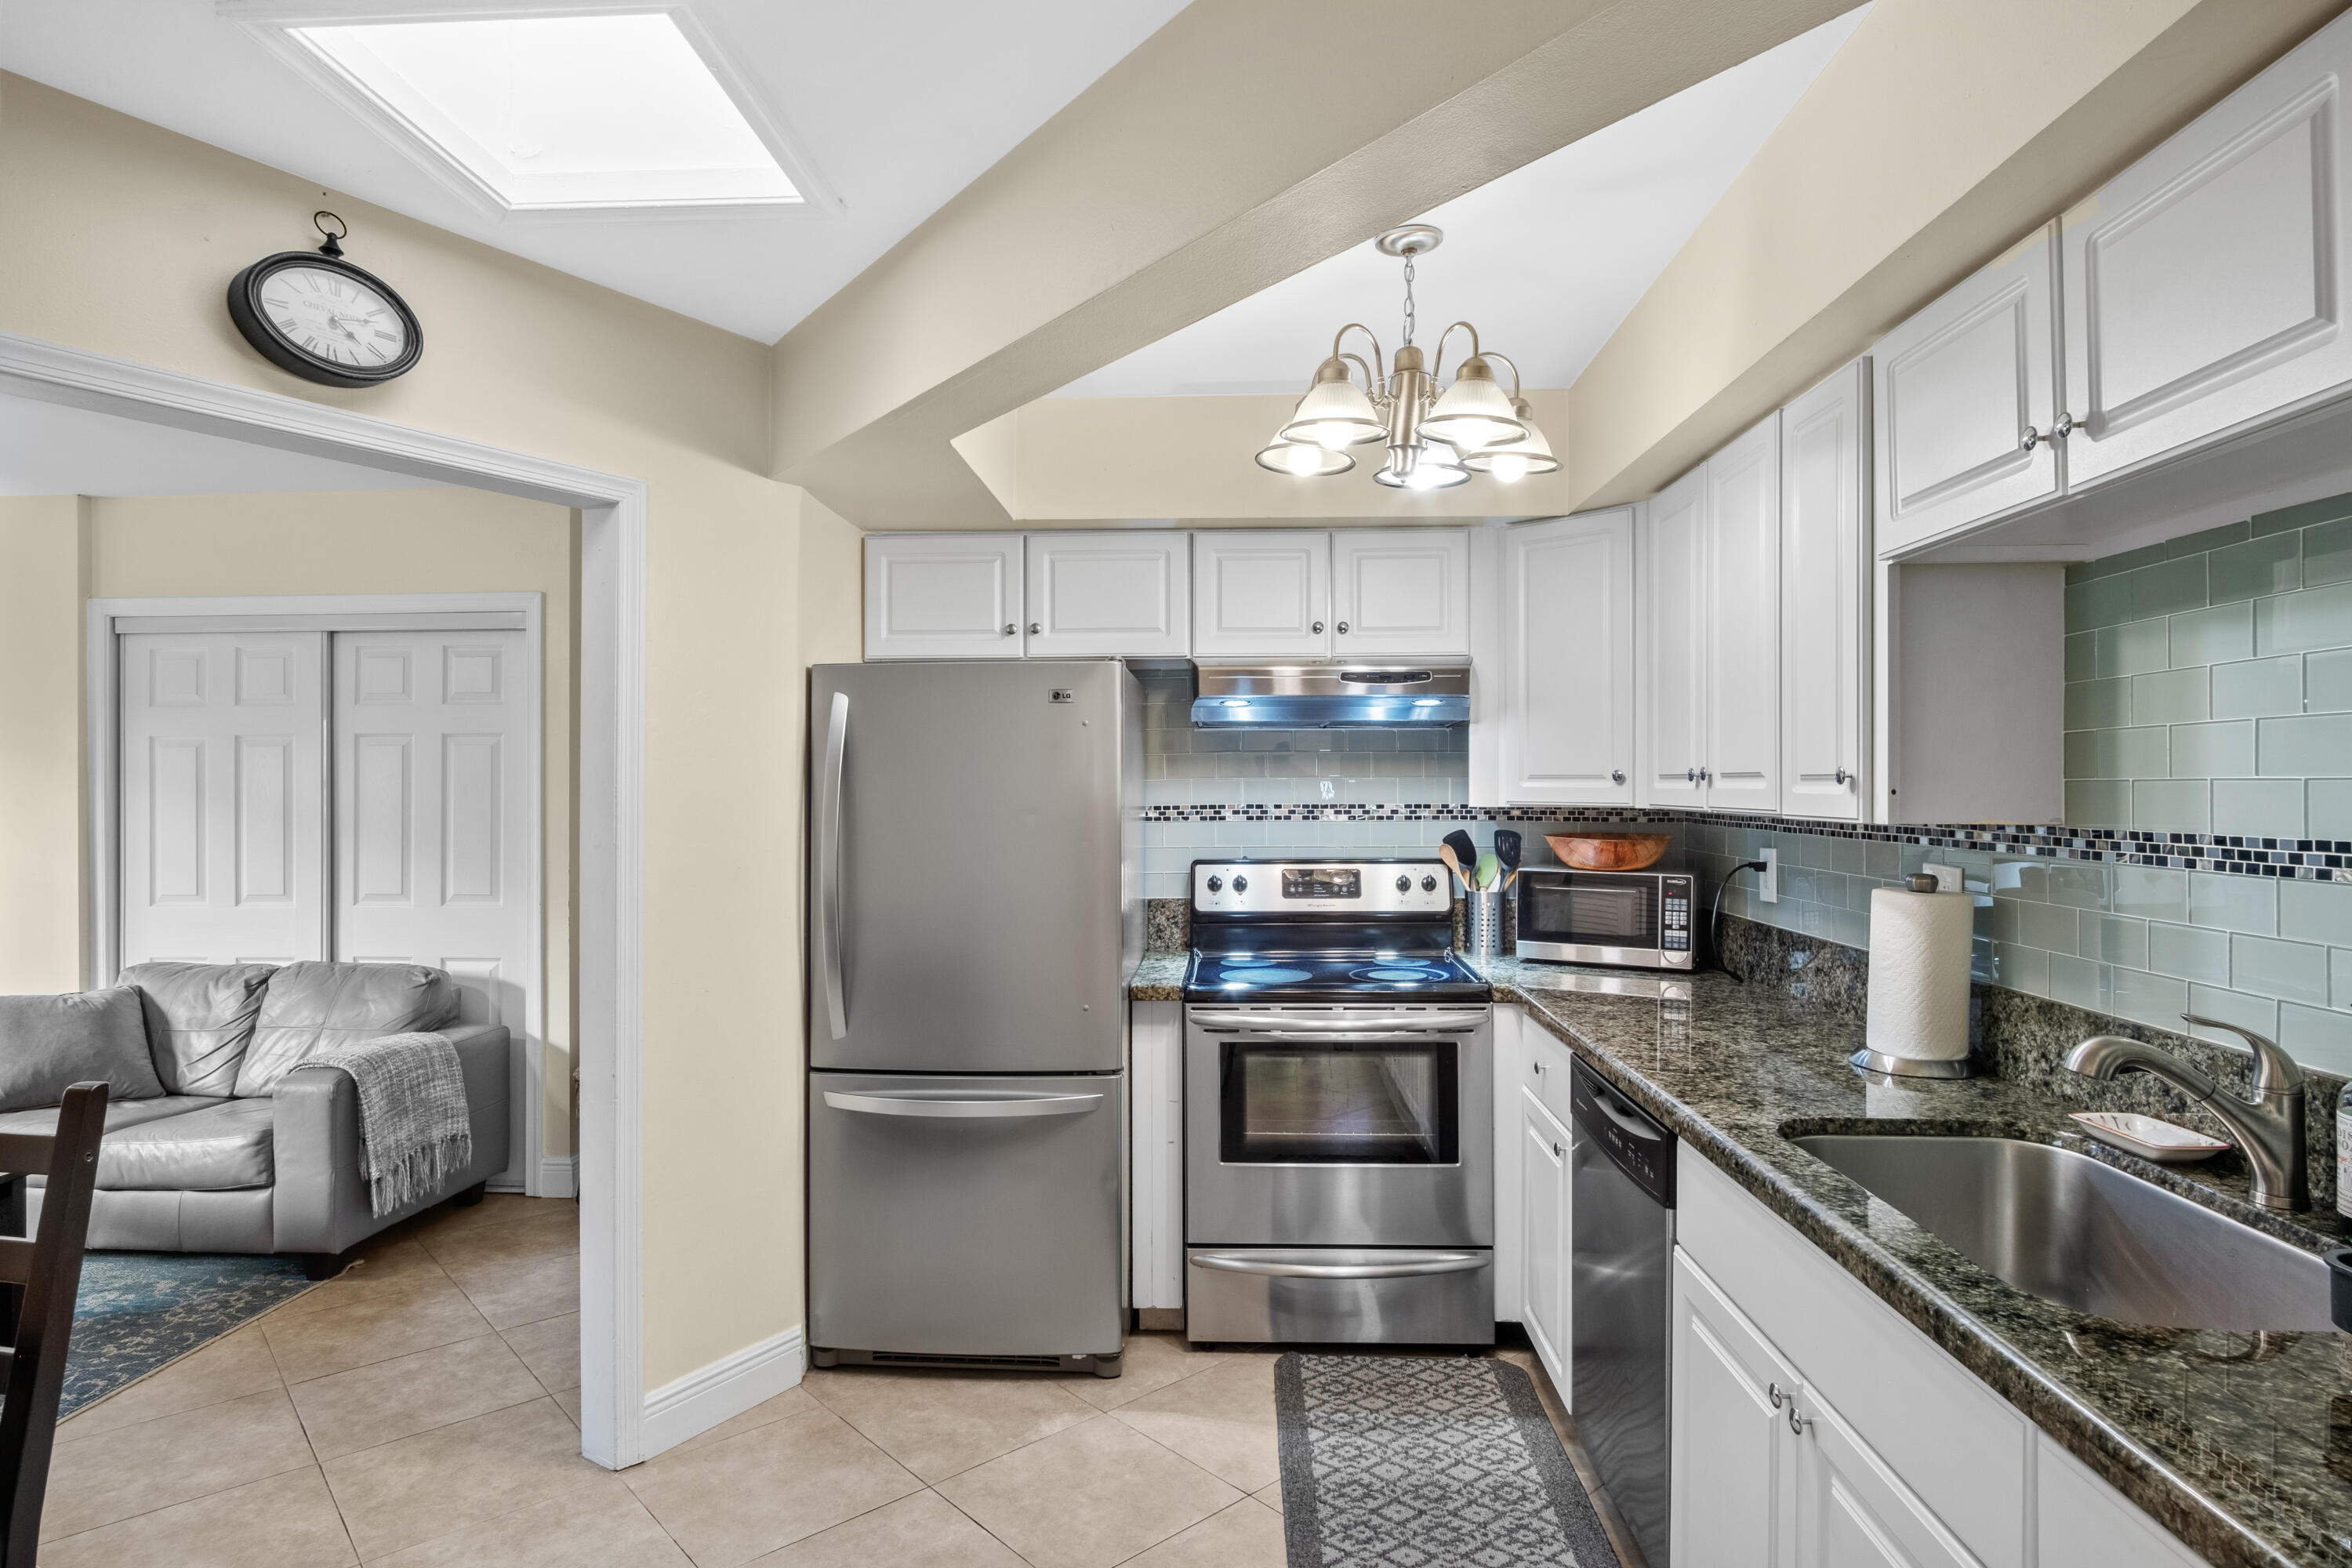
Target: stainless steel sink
(2084,1235)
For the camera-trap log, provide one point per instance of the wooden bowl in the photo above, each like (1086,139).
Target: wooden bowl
(1608,851)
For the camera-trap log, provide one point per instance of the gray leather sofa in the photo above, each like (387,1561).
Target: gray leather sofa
(245,1149)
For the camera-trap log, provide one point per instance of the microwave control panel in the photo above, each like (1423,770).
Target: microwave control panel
(1673,914)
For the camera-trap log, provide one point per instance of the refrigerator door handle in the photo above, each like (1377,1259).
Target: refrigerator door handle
(828,864)
(1429,1263)
(919,1105)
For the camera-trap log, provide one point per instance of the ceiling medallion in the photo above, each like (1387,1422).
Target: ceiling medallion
(1434,441)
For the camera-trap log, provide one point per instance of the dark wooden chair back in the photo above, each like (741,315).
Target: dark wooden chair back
(44,1271)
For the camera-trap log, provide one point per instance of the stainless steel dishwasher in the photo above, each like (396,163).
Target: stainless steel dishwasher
(1622,1166)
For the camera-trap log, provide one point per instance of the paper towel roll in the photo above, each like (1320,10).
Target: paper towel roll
(1919,946)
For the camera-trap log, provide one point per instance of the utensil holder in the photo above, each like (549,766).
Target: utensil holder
(1485,918)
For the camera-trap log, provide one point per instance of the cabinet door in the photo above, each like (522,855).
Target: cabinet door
(1567,661)
(1958,386)
(1742,766)
(1260,596)
(2206,286)
(1851,1511)
(1825,577)
(943,596)
(1109,595)
(1400,590)
(1544,1237)
(1732,1473)
(1673,663)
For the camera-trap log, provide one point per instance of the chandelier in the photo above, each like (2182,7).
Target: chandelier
(1434,441)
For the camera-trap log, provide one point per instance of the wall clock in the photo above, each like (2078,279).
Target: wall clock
(317,315)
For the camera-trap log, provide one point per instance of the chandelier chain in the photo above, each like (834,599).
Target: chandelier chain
(1408,301)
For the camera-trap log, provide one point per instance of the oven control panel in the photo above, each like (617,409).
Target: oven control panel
(1292,888)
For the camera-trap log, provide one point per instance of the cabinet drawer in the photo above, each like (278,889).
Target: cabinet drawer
(1545,1070)
(1958,1446)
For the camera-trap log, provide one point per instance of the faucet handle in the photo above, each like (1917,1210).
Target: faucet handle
(2275,1072)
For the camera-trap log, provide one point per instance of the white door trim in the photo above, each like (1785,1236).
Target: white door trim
(330,613)
(611,873)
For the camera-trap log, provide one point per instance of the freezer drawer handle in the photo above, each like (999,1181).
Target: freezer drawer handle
(1439,1263)
(914,1105)
(828,864)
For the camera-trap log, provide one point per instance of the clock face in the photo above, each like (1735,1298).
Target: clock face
(333,317)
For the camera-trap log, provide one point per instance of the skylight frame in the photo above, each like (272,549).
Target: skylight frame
(275,24)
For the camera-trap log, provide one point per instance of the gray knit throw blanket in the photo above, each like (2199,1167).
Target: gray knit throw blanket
(415,1132)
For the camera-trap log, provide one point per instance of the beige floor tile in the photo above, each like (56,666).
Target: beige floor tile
(1270,1496)
(283,1521)
(1247,1535)
(230,1367)
(568,1403)
(455,1478)
(1088,1496)
(495,1209)
(940,1423)
(603,1527)
(510,1291)
(791,1401)
(392,1268)
(767,1487)
(414,1314)
(1151,1362)
(551,1348)
(388,1400)
(533,1235)
(924,1528)
(172,1459)
(1221,1419)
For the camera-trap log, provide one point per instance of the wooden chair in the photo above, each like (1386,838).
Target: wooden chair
(44,1272)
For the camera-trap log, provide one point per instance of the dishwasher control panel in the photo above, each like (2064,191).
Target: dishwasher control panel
(1634,1144)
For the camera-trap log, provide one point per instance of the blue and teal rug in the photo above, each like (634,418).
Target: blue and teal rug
(138,1311)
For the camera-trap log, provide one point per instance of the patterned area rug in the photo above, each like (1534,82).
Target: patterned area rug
(1426,1462)
(138,1311)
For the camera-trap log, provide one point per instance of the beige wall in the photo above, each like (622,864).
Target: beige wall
(44,896)
(526,358)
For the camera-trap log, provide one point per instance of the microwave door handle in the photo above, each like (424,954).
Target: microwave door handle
(828,864)
(1437,1263)
(965,1110)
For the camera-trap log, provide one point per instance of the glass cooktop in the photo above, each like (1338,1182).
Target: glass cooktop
(1331,976)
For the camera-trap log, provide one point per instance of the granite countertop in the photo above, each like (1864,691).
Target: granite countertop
(1159,978)
(2231,1440)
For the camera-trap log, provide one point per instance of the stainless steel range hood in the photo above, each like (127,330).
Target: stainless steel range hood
(1324,696)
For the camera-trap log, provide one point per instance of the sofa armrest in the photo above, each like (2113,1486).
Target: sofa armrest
(321,1201)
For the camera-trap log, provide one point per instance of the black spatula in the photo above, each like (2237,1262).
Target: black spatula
(1465,851)
(1507,850)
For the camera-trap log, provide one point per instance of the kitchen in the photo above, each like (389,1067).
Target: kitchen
(1371,1098)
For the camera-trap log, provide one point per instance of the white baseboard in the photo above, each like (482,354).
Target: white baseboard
(720,1391)
(559,1176)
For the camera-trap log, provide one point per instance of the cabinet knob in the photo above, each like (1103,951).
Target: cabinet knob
(1690,775)
(1343,629)
(1703,775)
(1616,776)
(1318,628)
(1035,628)
(1009,629)
(1842,775)
(2067,425)
(1772,1392)
(1796,1424)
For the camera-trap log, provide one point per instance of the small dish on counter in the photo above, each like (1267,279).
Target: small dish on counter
(2149,1137)
(1608,851)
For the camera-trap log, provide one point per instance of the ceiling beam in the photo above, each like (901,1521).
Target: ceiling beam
(1240,144)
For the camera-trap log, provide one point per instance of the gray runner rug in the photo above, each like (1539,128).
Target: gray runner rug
(1426,1462)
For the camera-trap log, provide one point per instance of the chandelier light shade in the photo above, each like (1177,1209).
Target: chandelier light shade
(1516,459)
(1435,439)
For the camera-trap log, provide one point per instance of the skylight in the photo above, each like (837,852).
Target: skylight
(552,112)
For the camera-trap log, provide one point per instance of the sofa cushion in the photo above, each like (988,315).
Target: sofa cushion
(119,1113)
(216,1148)
(306,1004)
(199,1020)
(49,1043)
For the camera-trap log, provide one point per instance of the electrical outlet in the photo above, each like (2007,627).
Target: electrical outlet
(1948,878)
(1768,880)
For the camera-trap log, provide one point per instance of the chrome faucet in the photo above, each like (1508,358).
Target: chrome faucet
(2268,1126)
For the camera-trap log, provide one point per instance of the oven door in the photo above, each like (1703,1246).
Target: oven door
(1641,919)
(1340,1126)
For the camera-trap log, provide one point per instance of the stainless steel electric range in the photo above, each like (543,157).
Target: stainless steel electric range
(1339,1109)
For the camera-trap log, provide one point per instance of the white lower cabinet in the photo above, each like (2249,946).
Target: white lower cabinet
(1733,1481)
(1544,1250)
(1851,1511)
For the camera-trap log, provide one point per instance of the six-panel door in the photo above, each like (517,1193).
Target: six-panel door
(1400,592)
(943,596)
(1825,580)
(1261,596)
(1109,595)
(1568,663)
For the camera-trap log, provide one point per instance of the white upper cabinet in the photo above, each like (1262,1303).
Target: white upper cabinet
(2206,286)
(1400,591)
(1961,386)
(1742,767)
(1567,731)
(943,596)
(1825,580)
(1262,595)
(1672,664)
(1109,595)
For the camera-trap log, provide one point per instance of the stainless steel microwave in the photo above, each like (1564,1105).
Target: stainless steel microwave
(1638,919)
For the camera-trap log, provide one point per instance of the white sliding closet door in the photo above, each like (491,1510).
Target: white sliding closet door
(433,854)
(224,787)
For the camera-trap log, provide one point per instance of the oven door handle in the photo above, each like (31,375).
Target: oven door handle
(1403,1268)
(1358,1024)
(1348,1037)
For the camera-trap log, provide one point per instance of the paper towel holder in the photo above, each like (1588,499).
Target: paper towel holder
(1866,1060)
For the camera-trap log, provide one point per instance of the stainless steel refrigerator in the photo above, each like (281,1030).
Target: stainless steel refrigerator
(975,842)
